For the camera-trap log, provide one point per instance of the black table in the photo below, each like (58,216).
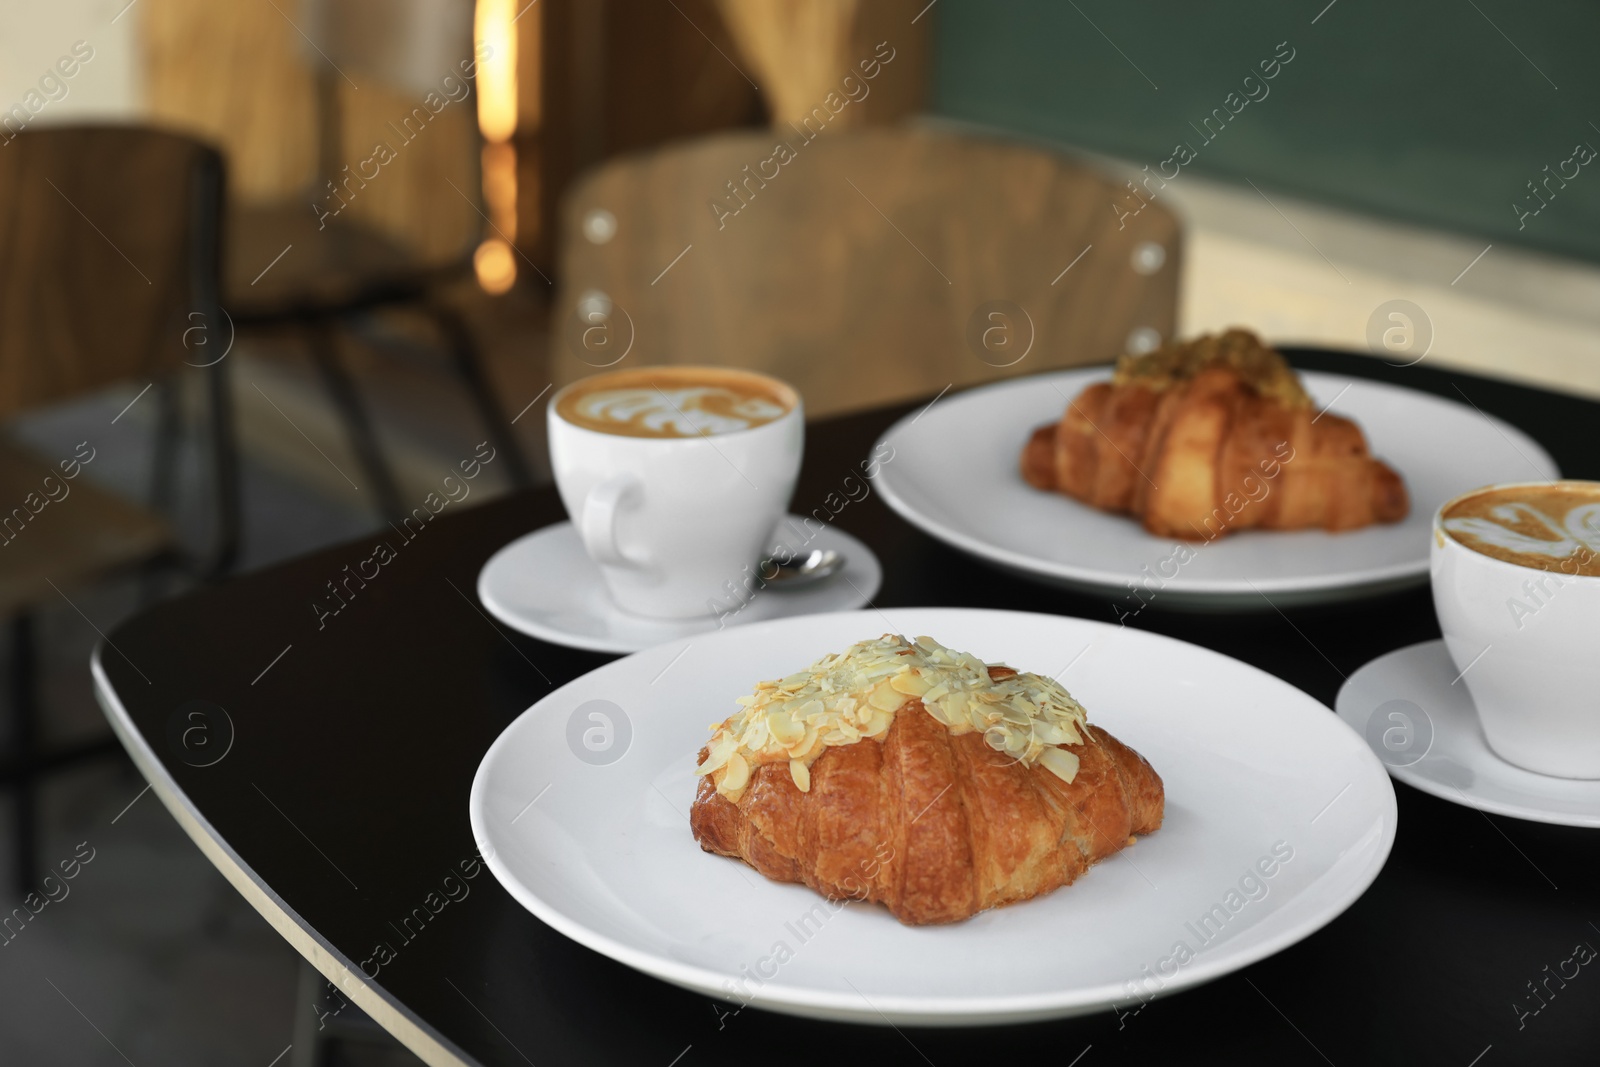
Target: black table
(337,804)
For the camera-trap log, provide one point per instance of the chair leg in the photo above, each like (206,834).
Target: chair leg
(469,365)
(226,487)
(24,720)
(326,1025)
(325,351)
(163,474)
(308,1044)
(164,458)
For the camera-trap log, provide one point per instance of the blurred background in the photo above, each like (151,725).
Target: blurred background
(432,213)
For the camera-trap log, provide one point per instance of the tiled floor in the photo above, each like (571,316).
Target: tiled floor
(149,956)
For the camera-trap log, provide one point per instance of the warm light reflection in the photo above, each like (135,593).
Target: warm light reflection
(497,74)
(494,26)
(495,265)
(500,188)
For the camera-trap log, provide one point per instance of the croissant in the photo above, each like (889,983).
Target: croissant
(987,788)
(1212,436)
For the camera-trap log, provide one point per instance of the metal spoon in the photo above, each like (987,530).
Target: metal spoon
(800,571)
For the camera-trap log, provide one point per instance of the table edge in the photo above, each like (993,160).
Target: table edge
(415,1034)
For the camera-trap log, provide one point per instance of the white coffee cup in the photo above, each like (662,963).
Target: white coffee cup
(1527,642)
(677,523)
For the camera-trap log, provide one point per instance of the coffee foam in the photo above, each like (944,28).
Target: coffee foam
(675,402)
(692,411)
(1543,527)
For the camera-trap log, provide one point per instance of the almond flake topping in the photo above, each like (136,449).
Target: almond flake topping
(851,695)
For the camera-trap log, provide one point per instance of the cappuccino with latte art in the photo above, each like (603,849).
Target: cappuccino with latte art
(1516,584)
(675,479)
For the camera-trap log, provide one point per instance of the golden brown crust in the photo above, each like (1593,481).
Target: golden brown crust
(936,826)
(1200,445)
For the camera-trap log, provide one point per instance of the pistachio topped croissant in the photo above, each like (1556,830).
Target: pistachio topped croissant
(1207,437)
(921,778)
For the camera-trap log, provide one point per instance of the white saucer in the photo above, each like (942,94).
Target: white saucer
(544,585)
(1422,725)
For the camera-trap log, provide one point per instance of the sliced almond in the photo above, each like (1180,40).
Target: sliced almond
(716,759)
(1059,762)
(911,683)
(807,745)
(755,738)
(735,776)
(785,731)
(885,698)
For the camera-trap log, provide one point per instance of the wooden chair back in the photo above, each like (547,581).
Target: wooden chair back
(108,260)
(405,45)
(861,266)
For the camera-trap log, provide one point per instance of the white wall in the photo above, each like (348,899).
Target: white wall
(1500,310)
(34,34)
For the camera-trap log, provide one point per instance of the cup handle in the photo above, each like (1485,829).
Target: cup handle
(598,525)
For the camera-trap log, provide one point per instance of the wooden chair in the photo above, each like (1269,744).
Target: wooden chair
(340,267)
(109,260)
(871,266)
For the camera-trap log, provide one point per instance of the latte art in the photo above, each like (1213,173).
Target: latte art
(689,411)
(675,402)
(1551,528)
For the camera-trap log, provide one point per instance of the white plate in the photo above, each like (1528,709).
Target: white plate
(1421,723)
(543,584)
(604,854)
(955,474)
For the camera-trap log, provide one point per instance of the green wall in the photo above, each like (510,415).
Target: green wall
(1414,109)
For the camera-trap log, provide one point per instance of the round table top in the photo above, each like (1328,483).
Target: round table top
(328,780)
